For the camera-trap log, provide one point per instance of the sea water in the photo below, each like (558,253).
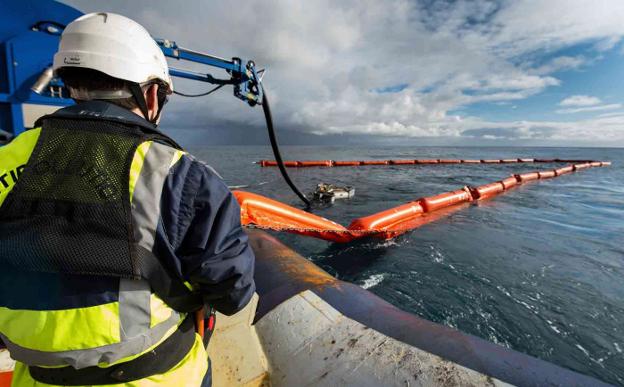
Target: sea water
(539,269)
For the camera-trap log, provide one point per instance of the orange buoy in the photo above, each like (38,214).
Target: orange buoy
(374,162)
(581,166)
(546,174)
(388,219)
(509,161)
(596,164)
(426,161)
(488,190)
(447,199)
(471,161)
(402,162)
(268,163)
(526,160)
(509,182)
(527,177)
(448,161)
(490,161)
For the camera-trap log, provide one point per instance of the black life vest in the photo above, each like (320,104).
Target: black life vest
(70,210)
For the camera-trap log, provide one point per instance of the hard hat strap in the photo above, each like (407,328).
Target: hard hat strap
(139,97)
(137,93)
(163,98)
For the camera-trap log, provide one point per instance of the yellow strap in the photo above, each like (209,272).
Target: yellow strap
(137,165)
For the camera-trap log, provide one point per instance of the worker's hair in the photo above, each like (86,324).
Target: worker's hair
(81,78)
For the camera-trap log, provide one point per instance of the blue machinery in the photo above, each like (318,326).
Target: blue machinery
(29,33)
(29,37)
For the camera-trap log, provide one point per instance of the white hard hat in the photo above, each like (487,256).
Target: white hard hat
(114,45)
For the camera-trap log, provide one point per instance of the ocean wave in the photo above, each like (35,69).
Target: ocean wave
(373,280)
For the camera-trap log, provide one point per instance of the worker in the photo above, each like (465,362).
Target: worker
(111,235)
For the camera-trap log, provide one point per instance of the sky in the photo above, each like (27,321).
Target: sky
(523,72)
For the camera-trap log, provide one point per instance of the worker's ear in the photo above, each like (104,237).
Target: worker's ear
(151,98)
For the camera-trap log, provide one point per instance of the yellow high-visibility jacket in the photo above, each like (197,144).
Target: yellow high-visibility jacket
(183,213)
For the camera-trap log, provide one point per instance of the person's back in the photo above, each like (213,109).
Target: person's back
(110,234)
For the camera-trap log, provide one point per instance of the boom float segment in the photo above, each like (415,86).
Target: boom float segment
(488,190)
(446,199)
(261,212)
(387,222)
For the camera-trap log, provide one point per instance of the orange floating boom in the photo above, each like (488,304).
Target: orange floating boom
(523,178)
(268,213)
(262,212)
(355,163)
(445,199)
(547,174)
(402,162)
(386,222)
(564,170)
(488,190)
(510,182)
(346,163)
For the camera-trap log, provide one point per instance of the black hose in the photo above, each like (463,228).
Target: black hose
(269,122)
(200,94)
(278,157)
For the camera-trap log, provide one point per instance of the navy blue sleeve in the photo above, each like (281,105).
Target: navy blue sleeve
(201,219)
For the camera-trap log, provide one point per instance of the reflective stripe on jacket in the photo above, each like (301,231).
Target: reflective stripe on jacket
(183,212)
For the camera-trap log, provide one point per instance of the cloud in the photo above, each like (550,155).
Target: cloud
(561,63)
(512,132)
(611,114)
(328,61)
(580,100)
(608,43)
(596,108)
(584,104)
(550,132)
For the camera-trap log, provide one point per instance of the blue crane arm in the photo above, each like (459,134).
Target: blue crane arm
(172,50)
(243,74)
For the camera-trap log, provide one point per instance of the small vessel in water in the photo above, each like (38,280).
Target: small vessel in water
(329,193)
